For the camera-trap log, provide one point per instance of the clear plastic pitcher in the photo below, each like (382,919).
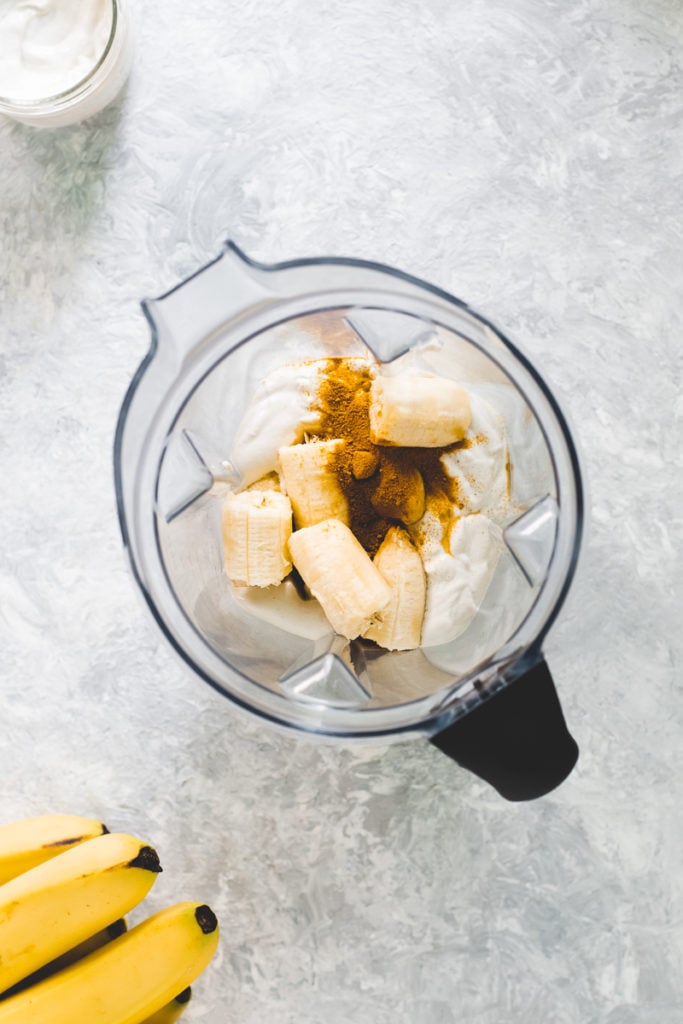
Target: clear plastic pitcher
(485,698)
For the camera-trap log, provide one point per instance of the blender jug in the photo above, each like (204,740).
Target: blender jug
(485,696)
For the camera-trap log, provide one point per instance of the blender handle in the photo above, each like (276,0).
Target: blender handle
(517,741)
(222,290)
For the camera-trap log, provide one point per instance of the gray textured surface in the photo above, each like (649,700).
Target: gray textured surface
(525,155)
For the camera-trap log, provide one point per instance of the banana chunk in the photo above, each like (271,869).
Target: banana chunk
(340,574)
(256,528)
(399,562)
(311,482)
(269,482)
(418,411)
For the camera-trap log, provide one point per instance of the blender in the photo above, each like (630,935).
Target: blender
(486,698)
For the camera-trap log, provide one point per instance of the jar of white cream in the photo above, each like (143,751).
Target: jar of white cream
(61,60)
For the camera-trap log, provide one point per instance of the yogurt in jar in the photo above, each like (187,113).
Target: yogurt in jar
(61,60)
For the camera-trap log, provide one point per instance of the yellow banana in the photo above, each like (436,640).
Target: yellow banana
(71,956)
(51,908)
(25,844)
(170,1013)
(127,980)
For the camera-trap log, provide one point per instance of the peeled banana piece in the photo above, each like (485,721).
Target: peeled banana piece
(27,843)
(256,528)
(399,563)
(311,482)
(418,411)
(51,908)
(269,482)
(340,574)
(127,980)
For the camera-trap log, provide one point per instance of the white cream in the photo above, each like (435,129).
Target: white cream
(480,470)
(279,414)
(456,581)
(48,46)
(282,606)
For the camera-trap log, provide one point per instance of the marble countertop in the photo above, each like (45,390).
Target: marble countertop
(526,156)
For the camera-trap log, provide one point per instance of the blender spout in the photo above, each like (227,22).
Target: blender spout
(219,294)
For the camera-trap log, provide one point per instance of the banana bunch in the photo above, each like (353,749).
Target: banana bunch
(66,955)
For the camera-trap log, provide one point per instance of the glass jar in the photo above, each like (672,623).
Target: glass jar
(91,93)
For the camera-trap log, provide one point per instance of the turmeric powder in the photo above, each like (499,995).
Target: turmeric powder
(382,485)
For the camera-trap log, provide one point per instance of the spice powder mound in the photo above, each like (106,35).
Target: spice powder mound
(375,479)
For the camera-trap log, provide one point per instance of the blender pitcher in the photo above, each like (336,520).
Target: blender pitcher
(486,697)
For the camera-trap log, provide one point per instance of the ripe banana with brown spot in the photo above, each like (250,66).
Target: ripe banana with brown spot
(127,980)
(53,907)
(71,956)
(171,1012)
(27,843)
